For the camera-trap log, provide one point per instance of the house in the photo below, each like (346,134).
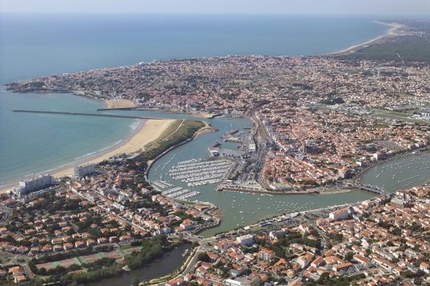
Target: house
(21,249)
(16,271)
(319,261)
(34,250)
(102,240)
(305,260)
(68,246)
(19,278)
(124,238)
(213,256)
(266,254)
(175,282)
(295,283)
(236,270)
(188,277)
(342,267)
(79,244)
(223,245)
(361,259)
(46,248)
(57,240)
(425,267)
(91,242)
(187,224)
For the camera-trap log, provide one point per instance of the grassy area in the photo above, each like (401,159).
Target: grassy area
(179,131)
(127,246)
(393,114)
(398,115)
(406,48)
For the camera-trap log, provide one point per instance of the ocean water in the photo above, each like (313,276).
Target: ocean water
(37,45)
(31,144)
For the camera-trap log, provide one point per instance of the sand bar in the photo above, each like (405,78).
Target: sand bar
(119,103)
(147,132)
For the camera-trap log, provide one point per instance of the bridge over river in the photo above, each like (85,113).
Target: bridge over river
(372,188)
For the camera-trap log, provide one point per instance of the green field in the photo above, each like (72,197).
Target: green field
(402,48)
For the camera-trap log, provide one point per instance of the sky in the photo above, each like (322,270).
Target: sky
(339,7)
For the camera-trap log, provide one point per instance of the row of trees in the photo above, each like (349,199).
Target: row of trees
(152,248)
(182,135)
(71,254)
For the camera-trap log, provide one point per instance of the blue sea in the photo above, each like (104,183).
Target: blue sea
(37,45)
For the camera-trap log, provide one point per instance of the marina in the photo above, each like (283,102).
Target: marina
(196,172)
(177,193)
(192,173)
(184,167)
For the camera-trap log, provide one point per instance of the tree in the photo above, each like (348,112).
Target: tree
(36,281)
(203,257)
(349,255)
(135,281)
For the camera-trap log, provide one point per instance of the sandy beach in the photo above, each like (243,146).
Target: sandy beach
(391,33)
(147,132)
(119,103)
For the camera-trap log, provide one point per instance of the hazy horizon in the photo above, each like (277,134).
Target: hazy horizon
(269,7)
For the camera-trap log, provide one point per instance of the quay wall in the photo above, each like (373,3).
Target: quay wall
(265,192)
(86,114)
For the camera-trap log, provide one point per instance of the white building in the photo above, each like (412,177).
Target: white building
(252,147)
(339,214)
(82,171)
(245,240)
(35,184)
(250,280)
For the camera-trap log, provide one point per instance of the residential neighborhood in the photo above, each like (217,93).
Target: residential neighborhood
(318,124)
(382,241)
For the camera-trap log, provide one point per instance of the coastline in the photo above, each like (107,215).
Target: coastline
(146,132)
(148,127)
(390,33)
(144,124)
